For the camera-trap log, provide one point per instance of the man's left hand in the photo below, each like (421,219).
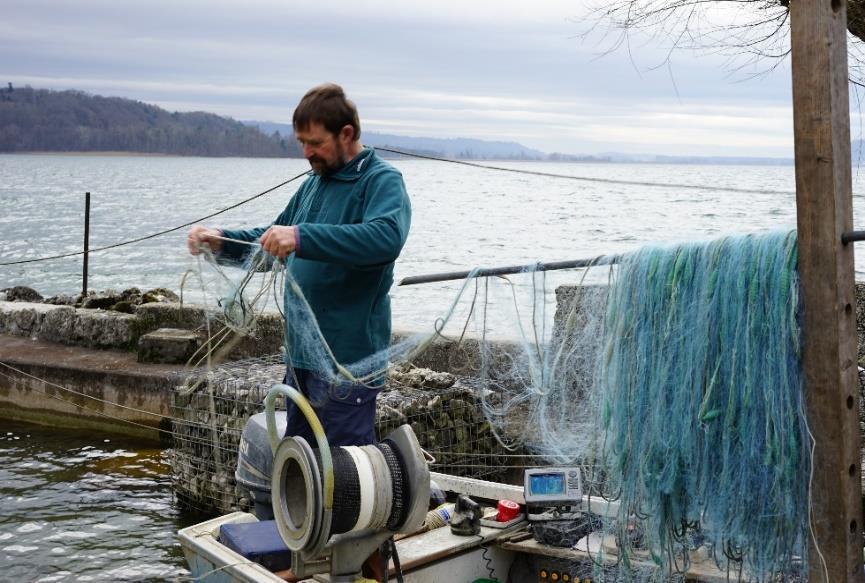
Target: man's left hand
(279,241)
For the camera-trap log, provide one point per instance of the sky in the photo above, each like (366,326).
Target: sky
(539,73)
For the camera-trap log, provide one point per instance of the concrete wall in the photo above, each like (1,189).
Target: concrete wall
(79,359)
(115,330)
(69,386)
(68,325)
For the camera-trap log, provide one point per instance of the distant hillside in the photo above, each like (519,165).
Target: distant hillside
(73,121)
(463,148)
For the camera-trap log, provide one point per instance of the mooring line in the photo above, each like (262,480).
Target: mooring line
(587,178)
(160,233)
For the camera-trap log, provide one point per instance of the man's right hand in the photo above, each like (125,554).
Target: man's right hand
(201,235)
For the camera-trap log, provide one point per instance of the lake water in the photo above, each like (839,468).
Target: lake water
(462,217)
(75,506)
(84,506)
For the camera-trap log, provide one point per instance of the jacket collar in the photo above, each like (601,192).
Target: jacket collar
(356,167)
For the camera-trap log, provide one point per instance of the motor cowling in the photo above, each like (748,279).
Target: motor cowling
(255,462)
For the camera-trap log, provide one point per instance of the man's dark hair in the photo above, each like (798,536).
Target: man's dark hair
(327,104)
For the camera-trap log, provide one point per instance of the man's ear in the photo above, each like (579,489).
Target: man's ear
(347,133)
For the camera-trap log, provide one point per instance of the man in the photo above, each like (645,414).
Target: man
(339,236)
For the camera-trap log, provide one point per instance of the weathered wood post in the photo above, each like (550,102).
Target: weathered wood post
(824,209)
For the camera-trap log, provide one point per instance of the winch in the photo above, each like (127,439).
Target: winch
(334,506)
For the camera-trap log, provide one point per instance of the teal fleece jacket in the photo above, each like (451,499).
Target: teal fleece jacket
(351,225)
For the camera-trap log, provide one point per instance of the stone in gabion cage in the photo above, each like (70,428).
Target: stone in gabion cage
(210,410)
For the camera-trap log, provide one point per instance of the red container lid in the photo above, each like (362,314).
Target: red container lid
(507,510)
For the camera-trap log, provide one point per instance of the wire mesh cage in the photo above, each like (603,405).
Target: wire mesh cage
(211,408)
(209,411)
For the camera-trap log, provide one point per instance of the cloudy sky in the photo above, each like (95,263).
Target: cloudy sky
(522,71)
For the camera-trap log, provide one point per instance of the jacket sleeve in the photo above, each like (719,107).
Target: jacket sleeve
(236,253)
(376,240)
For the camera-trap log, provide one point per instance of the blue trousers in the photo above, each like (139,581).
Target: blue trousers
(346,410)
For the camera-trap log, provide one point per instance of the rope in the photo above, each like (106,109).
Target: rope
(587,178)
(160,233)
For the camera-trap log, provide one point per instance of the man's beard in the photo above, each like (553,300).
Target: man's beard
(322,168)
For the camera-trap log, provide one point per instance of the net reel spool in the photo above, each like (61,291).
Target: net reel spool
(334,506)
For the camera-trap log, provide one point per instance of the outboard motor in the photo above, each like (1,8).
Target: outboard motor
(255,462)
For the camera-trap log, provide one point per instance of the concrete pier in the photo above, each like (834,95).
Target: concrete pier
(91,368)
(78,367)
(72,386)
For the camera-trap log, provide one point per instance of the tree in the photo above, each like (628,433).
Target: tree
(751,33)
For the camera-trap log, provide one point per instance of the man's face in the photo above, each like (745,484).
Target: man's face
(324,150)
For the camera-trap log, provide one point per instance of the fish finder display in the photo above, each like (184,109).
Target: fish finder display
(547,484)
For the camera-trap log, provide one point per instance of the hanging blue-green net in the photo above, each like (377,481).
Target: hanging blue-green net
(700,400)
(671,377)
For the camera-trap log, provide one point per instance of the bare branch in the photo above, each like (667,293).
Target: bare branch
(751,34)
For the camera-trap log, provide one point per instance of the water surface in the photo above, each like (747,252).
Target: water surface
(463,217)
(85,506)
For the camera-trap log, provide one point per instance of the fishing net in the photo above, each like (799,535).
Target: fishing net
(670,375)
(700,407)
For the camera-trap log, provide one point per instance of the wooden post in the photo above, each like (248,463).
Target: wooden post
(824,209)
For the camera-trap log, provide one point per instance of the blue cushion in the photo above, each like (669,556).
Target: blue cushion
(257,541)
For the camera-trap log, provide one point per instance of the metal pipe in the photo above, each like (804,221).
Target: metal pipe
(86,241)
(493,271)
(852,236)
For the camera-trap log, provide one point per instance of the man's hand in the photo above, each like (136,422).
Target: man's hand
(200,235)
(279,241)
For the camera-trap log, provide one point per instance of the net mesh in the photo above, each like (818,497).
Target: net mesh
(672,378)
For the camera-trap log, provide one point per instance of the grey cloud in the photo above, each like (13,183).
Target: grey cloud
(247,59)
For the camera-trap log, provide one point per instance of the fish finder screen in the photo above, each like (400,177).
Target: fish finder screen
(547,484)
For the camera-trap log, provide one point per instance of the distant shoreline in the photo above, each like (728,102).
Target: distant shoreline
(122,154)
(43,118)
(94,153)
(674,162)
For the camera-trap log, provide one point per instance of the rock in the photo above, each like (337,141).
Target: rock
(100,300)
(68,325)
(58,325)
(132,295)
(21,293)
(63,300)
(124,301)
(159,294)
(412,376)
(155,315)
(24,318)
(104,329)
(124,306)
